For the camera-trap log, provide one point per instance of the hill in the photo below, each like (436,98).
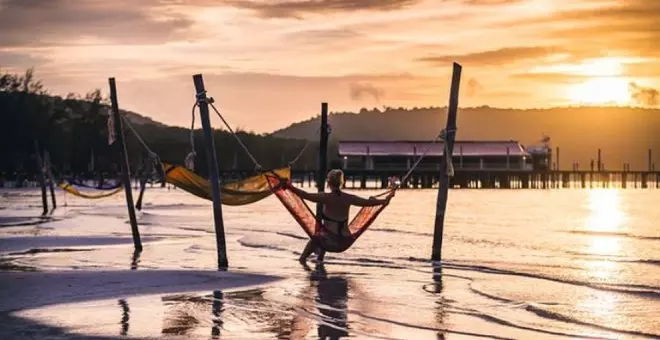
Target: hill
(624,134)
(74,131)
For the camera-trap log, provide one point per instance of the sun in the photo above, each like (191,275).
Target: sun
(600,90)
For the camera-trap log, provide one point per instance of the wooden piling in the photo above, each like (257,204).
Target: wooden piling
(212,162)
(51,179)
(650,160)
(323,156)
(443,185)
(41,176)
(123,162)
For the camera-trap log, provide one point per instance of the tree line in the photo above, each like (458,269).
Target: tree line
(74,131)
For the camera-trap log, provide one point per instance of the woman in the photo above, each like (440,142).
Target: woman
(336,205)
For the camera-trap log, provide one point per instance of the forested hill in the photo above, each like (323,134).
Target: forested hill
(74,131)
(623,134)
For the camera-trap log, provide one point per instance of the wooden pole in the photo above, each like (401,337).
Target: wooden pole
(212,162)
(146,170)
(323,156)
(443,183)
(51,182)
(557,159)
(41,177)
(600,164)
(123,162)
(650,159)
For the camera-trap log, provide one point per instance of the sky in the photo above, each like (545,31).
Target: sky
(269,63)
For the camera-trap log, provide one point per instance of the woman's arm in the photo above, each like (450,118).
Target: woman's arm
(363,202)
(320,197)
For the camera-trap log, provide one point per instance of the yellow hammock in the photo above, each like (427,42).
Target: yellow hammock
(70,189)
(249,190)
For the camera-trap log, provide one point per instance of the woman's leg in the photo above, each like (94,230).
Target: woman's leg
(309,249)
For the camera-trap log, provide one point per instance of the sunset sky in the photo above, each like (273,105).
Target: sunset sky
(271,63)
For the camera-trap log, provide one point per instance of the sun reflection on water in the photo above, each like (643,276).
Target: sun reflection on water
(606,215)
(604,226)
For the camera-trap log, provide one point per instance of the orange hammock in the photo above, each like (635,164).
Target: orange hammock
(246,191)
(326,239)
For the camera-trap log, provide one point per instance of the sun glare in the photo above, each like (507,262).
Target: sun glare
(601,90)
(606,214)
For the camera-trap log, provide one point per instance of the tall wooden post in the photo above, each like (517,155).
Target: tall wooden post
(600,164)
(51,183)
(123,162)
(460,148)
(650,160)
(557,159)
(443,183)
(41,176)
(212,162)
(323,156)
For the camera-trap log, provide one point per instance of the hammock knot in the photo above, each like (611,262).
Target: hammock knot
(202,98)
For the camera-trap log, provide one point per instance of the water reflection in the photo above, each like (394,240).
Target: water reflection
(606,214)
(440,303)
(332,299)
(604,224)
(124,317)
(218,302)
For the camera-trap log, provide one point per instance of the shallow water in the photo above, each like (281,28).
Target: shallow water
(516,264)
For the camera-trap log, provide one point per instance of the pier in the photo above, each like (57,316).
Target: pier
(493,179)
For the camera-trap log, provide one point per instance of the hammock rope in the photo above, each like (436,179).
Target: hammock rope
(138,137)
(190,157)
(238,139)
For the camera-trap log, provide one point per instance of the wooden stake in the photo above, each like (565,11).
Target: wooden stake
(443,185)
(323,156)
(42,179)
(51,182)
(123,162)
(223,262)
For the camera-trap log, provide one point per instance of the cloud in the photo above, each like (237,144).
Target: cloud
(58,22)
(298,9)
(644,95)
(357,91)
(502,56)
(473,86)
(11,59)
(550,77)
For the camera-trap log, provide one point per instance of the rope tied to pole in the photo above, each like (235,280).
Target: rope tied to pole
(138,137)
(449,171)
(210,101)
(189,161)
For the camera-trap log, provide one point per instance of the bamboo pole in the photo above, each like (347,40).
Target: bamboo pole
(443,185)
(125,168)
(41,176)
(212,162)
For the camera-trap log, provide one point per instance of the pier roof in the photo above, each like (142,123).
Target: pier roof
(415,148)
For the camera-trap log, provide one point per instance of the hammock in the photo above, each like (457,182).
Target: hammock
(326,239)
(249,190)
(70,189)
(78,183)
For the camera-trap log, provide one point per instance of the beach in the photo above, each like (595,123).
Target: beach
(517,264)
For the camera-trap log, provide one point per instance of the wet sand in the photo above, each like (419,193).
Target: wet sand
(558,264)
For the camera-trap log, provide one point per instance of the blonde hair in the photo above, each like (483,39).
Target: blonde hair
(335,179)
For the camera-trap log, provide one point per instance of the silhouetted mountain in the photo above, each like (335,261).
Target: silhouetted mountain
(74,130)
(624,134)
